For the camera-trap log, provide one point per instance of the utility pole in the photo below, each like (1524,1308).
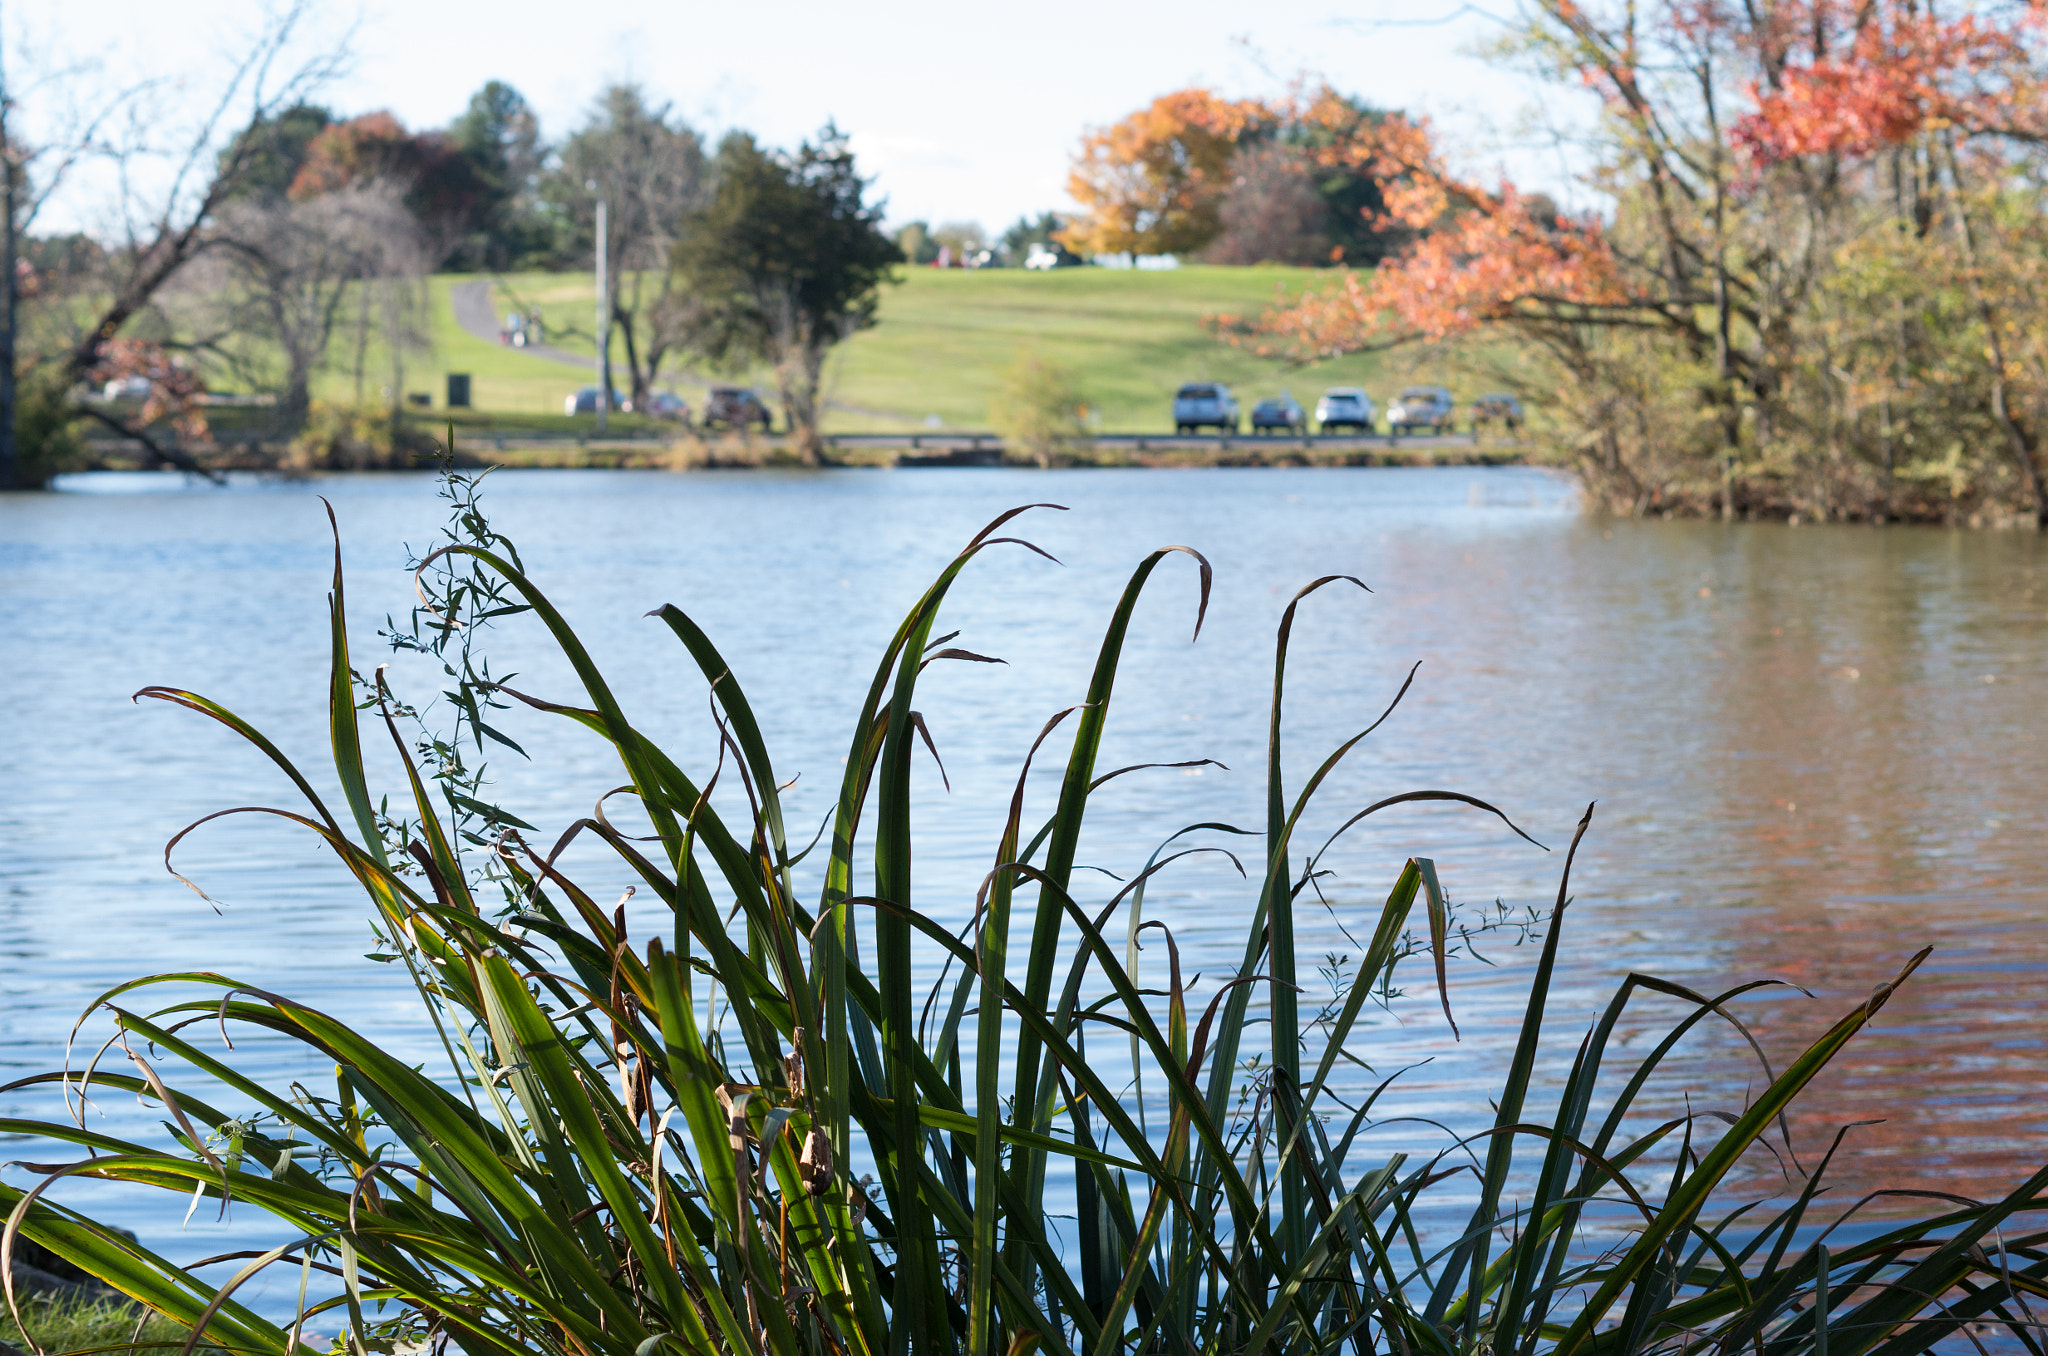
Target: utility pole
(604,325)
(9,462)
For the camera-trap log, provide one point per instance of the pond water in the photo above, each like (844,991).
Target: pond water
(1814,750)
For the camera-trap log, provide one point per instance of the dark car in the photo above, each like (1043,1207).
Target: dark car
(1284,414)
(1501,408)
(1419,408)
(585,402)
(736,407)
(666,405)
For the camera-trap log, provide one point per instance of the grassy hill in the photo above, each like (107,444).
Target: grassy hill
(943,343)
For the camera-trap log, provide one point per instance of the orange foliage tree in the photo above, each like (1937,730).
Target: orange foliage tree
(1693,335)
(1300,179)
(1154,183)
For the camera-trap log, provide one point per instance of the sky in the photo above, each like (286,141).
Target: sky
(967,112)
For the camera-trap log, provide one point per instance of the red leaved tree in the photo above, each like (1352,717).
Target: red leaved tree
(1790,191)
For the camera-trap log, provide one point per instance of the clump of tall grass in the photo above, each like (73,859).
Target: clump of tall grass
(844,1166)
(80,1325)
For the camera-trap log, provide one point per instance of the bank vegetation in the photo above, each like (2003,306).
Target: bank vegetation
(1809,284)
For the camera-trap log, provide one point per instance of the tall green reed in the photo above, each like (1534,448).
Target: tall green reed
(597,1172)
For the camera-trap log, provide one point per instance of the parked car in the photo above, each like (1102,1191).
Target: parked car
(668,405)
(1499,407)
(585,402)
(1419,408)
(126,388)
(736,407)
(1284,413)
(1205,404)
(1345,407)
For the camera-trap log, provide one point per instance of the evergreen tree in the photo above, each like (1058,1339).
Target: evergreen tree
(785,260)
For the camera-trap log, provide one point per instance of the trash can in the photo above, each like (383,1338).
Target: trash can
(458,390)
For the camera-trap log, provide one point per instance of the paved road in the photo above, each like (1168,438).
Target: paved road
(475,313)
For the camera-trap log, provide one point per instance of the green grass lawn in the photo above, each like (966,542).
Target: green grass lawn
(943,343)
(946,337)
(508,379)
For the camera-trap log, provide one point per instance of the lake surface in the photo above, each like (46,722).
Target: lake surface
(1815,750)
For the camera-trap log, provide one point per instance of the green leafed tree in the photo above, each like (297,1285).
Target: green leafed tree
(915,240)
(272,150)
(1014,246)
(786,259)
(500,137)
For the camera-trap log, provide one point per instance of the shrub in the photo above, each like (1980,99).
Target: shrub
(46,441)
(602,1171)
(1039,409)
(352,438)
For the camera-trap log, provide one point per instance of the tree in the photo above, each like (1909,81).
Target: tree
(275,150)
(915,240)
(439,184)
(499,135)
(648,167)
(785,260)
(1812,289)
(1014,246)
(173,170)
(1342,140)
(292,267)
(1154,183)
(1293,180)
(961,240)
(1273,211)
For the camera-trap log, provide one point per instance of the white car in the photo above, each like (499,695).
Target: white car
(1042,256)
(1346,407)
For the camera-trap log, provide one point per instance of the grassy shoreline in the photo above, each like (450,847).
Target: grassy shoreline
(691,452)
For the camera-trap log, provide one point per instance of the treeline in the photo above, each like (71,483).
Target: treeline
(967,244)
(308,247)
(1812,287)
(488,191)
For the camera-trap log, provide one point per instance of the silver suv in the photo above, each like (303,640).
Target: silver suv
(1419,408)
(1205,404)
